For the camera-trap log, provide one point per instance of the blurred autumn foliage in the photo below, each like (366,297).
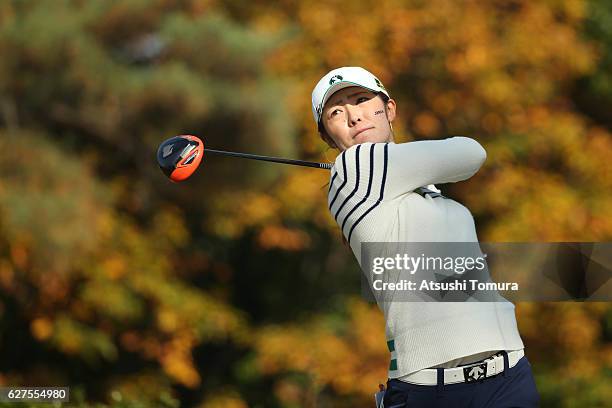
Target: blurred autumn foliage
(233,289)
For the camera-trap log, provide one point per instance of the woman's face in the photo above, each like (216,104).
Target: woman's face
(355,115)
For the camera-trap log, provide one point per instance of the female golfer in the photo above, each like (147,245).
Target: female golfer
(443,354)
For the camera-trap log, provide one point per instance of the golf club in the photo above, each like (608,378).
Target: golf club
(180,156)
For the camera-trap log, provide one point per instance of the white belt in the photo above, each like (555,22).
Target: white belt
(472,372)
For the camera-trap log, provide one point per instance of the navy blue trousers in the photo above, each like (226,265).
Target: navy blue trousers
(514,387)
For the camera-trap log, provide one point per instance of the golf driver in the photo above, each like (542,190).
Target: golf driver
(180,156)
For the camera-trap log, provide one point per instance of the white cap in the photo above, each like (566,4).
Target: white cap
(341,78)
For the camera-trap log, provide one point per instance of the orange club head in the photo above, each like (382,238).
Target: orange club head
(180,156)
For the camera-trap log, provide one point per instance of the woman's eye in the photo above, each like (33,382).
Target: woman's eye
(362,99)
(334,112)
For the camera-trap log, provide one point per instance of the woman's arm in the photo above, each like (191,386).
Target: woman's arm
(416,164)
(390,169)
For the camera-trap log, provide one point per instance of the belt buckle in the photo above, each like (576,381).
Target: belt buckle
(475,372)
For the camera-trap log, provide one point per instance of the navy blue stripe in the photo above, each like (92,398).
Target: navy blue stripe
(382,192)
(343,183)
(346,200)
(384,180)
(367,195)
(331,183)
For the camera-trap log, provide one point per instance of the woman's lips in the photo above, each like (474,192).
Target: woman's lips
(362,130)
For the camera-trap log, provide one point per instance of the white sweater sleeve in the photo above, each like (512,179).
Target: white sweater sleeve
(383,171)
(416,164)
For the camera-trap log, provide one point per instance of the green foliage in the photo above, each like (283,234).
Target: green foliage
(594,92)
(599,28)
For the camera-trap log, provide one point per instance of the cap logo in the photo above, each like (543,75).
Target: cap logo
(335,78)
(380,85)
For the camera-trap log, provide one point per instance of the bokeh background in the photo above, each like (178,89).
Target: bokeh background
(233,289)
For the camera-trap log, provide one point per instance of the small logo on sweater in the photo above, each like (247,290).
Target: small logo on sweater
(475,373)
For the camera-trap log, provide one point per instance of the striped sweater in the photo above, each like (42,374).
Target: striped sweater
(377,194)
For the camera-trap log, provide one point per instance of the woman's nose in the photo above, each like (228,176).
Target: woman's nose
(354,114)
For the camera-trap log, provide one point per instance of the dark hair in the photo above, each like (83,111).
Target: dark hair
(323,133)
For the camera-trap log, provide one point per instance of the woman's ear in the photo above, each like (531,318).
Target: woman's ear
(391,110)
